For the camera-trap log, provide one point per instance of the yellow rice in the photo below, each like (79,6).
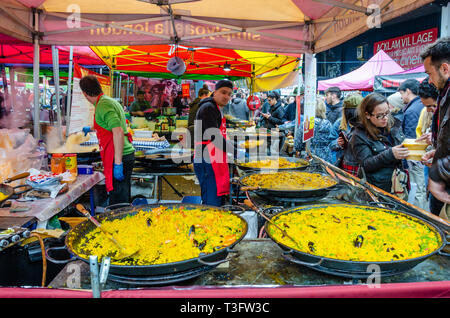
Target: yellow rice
(281,163)
(164,235)
(333,231)
(289,180)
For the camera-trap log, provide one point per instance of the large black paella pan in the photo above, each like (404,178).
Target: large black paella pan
(189,232)
(355,241)
(288,184)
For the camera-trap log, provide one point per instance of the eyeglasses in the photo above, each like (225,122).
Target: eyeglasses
(429,106)
(381,116)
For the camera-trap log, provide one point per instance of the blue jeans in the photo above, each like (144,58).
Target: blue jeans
(207,180)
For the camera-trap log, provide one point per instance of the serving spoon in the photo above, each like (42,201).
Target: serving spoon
(123,252)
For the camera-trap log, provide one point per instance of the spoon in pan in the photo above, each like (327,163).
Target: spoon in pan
(123,253)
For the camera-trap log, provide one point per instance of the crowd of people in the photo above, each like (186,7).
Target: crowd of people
(363,134)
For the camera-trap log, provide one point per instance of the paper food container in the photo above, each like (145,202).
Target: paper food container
(411,144)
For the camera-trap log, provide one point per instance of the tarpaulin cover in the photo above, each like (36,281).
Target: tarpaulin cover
(198,60)
(363,77)
(269,70)
(13,51)
(289,26)
(391,83)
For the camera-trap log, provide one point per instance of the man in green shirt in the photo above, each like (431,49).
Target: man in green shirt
(116,148)
(140,105)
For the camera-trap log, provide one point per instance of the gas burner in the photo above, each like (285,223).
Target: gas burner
(158,280)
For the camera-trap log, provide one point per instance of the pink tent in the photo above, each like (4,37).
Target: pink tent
(363,77)
(417,69)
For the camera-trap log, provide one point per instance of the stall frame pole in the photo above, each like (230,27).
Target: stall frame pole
(37,120)
(55,57)
(69,92)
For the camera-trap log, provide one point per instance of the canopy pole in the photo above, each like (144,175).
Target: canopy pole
(119,86)
(126,92)
(55,57)
(297,114)
(13,86)
(69,92)
(37,121)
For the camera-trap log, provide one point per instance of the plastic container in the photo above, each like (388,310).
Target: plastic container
(85,169)
(58,163)
(71,163)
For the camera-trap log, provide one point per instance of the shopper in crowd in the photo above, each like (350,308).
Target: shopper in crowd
(276,111)
(322,126)
(263,109)
(376,142)
(273,119)
(409,90)
(333,103)
(140,105)
(290,110)
(319,145)
(202,94)
(396,105)
(428,95)
(340,131)
(239,108)
(436,60)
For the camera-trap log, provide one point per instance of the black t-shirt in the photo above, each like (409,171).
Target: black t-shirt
(210,117)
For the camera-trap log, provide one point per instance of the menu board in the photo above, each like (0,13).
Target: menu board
(82,112)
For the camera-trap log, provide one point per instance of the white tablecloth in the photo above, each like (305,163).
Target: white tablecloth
(44,209)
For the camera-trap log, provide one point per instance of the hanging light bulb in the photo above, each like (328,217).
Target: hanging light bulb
(226,67)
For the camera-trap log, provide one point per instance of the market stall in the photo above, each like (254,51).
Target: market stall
(389,83)
(261,267)
(363,77)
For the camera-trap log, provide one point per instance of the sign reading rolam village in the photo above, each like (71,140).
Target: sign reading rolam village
(405,50)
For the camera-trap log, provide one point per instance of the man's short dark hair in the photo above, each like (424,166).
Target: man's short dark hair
(274,95)
(412,84)
(238,95)
(334,90)
(439,52)
(140,93)
(90,85)
(427,90)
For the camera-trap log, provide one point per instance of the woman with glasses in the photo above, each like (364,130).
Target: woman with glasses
(376,142)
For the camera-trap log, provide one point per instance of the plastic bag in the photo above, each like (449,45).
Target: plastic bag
(45,181)
(17,153)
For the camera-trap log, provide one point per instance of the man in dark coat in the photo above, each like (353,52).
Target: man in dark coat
(409,90)
(275,117)
(333,103)
(436,60)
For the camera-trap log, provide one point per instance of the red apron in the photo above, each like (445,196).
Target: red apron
(106,143)
(219,162)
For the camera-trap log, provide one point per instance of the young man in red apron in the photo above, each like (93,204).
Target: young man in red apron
(211,146)
(116,149)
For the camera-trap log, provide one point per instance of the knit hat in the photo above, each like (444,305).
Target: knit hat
(223,83)
(396,101)
(352,101)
